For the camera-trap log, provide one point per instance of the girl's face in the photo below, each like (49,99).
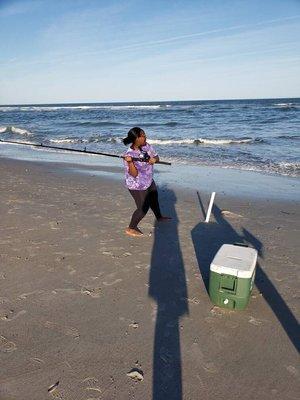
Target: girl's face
(141,140)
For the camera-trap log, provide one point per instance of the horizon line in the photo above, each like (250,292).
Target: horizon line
(145,101)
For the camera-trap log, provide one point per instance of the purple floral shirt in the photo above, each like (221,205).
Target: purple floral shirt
(145,170)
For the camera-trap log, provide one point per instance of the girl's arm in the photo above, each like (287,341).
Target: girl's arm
(132,168)
(153,160)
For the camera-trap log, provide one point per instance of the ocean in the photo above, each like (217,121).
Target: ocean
(258,135)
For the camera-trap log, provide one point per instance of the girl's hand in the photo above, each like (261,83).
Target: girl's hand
(152,160)
(128,159)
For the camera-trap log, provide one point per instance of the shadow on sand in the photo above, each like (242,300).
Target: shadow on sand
(167,286)
(208,238)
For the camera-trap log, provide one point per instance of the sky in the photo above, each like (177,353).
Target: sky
(73,51)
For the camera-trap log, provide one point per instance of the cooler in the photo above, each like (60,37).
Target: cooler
(232,274)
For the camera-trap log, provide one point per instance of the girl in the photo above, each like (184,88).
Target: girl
(139,178)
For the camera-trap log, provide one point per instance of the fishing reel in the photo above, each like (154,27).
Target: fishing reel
(144,156)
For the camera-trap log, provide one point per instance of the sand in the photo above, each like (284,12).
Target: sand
(87,312)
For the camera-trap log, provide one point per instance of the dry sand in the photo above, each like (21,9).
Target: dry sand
(87,312)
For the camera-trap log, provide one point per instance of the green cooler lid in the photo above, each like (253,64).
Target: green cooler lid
(235,260)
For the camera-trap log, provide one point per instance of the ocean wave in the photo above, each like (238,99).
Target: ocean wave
(14,130)
(9,108)
(170,123)
(115,123)
(285,105)
(94,123)
(55,108)
(91,139)
(291,137)
(133,107)
(84,107)
(203,141)
(171,141)
(67,140)
(225,141)
(281,168)
(288,168)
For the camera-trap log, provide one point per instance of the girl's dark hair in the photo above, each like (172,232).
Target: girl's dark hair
(133,134)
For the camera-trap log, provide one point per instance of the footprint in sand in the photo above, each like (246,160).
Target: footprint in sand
(37,360)
(231,214)
(11,317)
(65,330)
(194,300)
(25,295)
(54,225)
(90,384)
(255,321)
(66,290)
(6,346)
(57,394)
(292,370)
(90,381)
(134,325)
(71,269)
(112,283)
(207,365)
(217,311)
(94,292)
(108,253)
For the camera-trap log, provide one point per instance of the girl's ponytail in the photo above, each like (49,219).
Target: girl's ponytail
(133,134)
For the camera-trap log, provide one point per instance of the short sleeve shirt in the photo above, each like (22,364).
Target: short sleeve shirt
(145,170)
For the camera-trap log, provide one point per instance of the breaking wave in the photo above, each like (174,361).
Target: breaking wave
(160,142)
(84,107)
(285,106)
(91,139)
(203,141)
(67,140)
(14,130)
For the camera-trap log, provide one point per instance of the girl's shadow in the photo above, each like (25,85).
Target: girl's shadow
(167,286)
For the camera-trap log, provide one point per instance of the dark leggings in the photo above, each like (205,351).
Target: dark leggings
(144,199)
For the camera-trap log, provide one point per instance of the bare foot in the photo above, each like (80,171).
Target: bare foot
(134,232)
(163,219)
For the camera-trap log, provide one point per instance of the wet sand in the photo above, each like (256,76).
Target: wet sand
(82,304)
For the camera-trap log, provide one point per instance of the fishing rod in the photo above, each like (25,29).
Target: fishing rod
(145,156)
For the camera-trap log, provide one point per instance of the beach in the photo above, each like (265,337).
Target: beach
(83,305)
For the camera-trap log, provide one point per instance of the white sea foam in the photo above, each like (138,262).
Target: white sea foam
(68,140)
(133,107)
(168,142)
(223,141)
(10,108)
(289,168)
(285,105)
(20,131)
(13,129)
(82,108)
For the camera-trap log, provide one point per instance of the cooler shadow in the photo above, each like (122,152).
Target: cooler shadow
(201,205)
(208,238)
(167,286)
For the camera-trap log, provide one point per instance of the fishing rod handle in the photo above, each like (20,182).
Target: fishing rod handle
(140,160)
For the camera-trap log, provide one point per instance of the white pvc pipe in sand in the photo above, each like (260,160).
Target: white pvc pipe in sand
(211,202)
